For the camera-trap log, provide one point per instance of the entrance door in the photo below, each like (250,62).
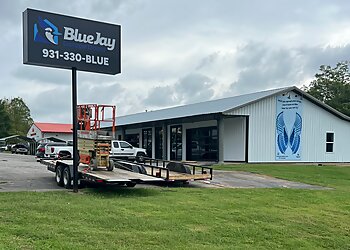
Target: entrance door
(147,141)
(176,143)
(159,143)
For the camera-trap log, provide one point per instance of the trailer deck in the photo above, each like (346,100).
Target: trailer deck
(162,169)
(117,176)
(130,173)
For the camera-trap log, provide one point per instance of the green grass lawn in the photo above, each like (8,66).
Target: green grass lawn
(185,218)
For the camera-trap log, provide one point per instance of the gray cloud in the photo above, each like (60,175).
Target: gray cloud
(263,67)
(100,93)
(160,96)
(189,89)
(178,51)
(43,75)
(51,105)
(315,56)
(208,60)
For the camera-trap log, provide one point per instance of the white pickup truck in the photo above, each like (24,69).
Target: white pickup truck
(124,150)
(58,150)
(119,150)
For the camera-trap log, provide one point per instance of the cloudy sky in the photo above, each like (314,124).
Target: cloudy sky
(180,51)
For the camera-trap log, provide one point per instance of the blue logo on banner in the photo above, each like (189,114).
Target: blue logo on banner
(282,136)
(46,32)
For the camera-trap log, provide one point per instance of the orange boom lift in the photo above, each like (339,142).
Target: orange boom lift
(94,144)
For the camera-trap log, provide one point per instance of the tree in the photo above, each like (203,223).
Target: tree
(332,86)
(4,120)
(19,115)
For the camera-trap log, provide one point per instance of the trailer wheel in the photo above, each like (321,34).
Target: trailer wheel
(142,169)
(110,165)
(131,184)
(140,157)
(93,164)
(67,179)
(59,176)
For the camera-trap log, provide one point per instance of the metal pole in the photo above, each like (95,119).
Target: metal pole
(75,128)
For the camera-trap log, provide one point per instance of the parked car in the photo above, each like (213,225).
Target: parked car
(40,150)
(19,149)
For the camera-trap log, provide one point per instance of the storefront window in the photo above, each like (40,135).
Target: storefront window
(202,144)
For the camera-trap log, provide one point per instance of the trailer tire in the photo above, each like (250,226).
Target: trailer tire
(59,176)
(93,164)
(131,184)
(67,179)
(110,165)
(140,157)
(142,170)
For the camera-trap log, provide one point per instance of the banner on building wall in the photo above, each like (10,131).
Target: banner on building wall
(289,119)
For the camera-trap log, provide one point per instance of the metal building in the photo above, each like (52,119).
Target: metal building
(279,125)
(40,131)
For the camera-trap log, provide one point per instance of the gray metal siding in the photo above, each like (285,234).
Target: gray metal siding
(316,122)
(261,144)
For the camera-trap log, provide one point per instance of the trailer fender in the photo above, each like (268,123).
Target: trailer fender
(178,167)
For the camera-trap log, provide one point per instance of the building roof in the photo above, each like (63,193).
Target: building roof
(54,127)
(216,106)
(202,108)
(16,136)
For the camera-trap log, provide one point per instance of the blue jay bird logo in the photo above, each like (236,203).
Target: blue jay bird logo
(293,140)
(46,32)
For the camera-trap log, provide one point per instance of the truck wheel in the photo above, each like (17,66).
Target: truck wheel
(59,176)
(110,165)
(140,157)
(67,179)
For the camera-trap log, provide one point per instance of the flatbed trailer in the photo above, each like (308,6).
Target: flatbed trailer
(63,170)
(169,171)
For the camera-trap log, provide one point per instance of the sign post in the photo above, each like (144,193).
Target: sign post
(59,41)
(75,130)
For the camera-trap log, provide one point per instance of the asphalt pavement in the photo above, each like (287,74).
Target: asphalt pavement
(24,173)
